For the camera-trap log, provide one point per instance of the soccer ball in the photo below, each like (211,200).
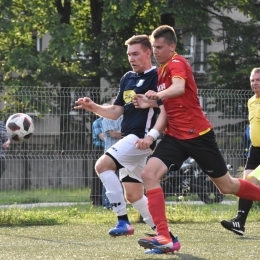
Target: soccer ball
(19,127)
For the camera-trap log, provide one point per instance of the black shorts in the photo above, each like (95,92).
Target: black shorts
(253,161)
(203,149)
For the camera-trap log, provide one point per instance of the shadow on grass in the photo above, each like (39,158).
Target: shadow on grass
(249,238)
(48,240)
(178,255)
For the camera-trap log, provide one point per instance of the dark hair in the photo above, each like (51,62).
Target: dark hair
(143,39)
(166,32)
(255,70)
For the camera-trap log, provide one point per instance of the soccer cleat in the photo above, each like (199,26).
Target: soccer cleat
(157,242)
(176,247)
(234,225)
(123,228)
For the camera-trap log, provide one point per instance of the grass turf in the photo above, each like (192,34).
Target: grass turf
(90,241)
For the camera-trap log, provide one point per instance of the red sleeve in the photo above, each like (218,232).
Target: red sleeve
(178,69)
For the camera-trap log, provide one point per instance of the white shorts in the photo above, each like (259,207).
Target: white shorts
(133,159)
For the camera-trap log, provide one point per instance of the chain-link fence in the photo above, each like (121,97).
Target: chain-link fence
(59,157)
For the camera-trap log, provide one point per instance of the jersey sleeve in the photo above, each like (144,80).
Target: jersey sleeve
(178,69)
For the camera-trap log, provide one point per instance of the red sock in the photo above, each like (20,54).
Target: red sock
(248,191)
(156,206)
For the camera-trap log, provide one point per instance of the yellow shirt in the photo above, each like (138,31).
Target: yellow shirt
(254,120)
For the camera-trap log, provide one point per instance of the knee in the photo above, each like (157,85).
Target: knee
(133,192)
(105,163)
(150,175)
(102,164)
(132,197)
(98,167)
(145,175)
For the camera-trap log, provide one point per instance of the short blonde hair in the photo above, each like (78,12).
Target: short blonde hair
(143,39)
(255,70)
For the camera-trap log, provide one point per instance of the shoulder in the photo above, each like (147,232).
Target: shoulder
(129,74)
(97,122)
(250,100)
(178,60)
(152,75)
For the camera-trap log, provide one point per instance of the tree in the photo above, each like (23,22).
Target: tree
(122,19)
(99,29)
(51,68)
(87,38)
(231,67)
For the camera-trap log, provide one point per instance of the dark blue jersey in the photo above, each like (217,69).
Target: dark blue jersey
(137,121)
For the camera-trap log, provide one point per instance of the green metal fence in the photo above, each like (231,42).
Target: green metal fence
(59,156)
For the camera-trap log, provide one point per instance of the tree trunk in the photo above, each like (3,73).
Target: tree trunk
(64,9)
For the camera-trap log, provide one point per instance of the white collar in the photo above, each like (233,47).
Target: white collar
(152,68)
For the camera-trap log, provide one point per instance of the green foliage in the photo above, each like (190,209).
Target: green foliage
(99,29)
(20,217)
(230,68)
(75,207)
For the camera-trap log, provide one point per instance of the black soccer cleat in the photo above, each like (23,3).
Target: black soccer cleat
(234,225)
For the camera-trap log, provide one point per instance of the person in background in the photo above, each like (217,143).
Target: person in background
(4,143)
(252,167)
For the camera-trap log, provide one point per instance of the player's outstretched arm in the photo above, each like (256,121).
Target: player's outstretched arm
(111,112)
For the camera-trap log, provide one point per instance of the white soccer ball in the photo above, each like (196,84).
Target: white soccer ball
(19,127)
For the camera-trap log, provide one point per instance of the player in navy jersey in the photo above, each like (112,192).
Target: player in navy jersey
(136,124)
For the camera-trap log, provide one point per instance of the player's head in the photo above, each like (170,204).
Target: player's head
(255,81)
(166,32)
(164,43)
(139,51)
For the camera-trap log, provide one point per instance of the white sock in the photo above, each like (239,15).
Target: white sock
(142,207)
(114,191)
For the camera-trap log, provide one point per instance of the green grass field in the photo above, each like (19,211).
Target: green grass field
(63,195)
(90,241)
(81,231)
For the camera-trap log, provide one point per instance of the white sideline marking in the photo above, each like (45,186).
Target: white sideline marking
(52,204)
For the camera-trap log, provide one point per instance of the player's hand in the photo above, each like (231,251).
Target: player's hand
(6,144)
(152,95)
(141,101)
(144,143)
(85,103)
